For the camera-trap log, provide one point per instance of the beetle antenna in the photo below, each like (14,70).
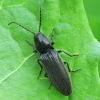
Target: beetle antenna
(21,26)
(40,19)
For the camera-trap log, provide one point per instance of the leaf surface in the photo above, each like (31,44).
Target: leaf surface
(19,68)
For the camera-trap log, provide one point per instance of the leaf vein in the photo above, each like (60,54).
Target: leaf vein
(6,77)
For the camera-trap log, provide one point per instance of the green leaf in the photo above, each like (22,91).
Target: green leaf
(19,68)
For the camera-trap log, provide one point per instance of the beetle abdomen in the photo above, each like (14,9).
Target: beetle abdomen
(56,71)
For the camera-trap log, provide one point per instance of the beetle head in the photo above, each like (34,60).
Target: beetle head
(42,43)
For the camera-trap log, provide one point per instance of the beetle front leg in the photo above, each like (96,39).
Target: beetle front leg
(34,51)
(29,43)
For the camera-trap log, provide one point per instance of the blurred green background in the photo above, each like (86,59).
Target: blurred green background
(92,8)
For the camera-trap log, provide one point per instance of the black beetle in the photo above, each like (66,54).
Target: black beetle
(51,61)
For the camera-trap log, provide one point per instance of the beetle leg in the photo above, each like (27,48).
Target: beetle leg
(52,34)
(69,68)
(52,43)
(29,43)
(41,68)
(71,55)
(45,75)
(34,51)
(75,70)
(50,86)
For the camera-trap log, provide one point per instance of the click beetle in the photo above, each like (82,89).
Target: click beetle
(51,61)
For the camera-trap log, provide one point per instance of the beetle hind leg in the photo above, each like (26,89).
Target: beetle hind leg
(69,68)
(41,68)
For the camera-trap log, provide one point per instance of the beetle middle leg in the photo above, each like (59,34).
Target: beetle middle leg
(69,68)
(41,68)
(71,55)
